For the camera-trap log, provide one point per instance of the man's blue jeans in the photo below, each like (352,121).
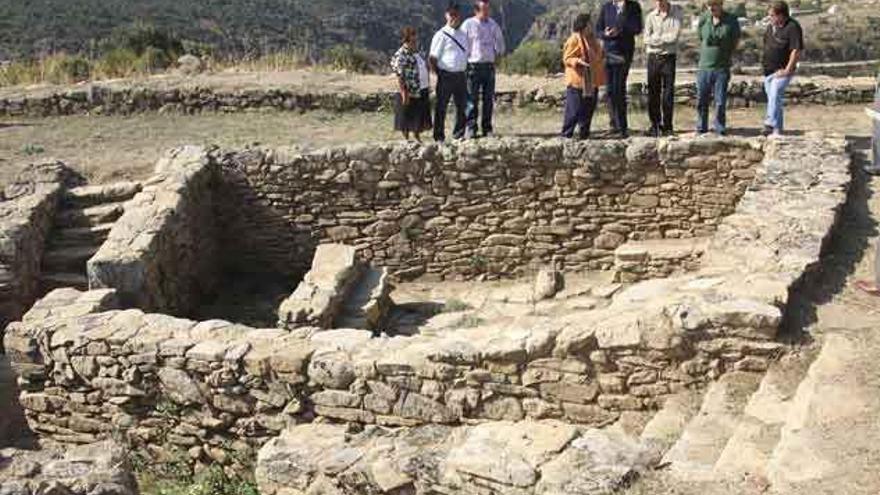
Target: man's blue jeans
(481,89)
(775,88)
(709,83)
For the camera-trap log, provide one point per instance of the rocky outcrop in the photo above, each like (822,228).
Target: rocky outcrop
(161,253)
(495,457)
(101,468)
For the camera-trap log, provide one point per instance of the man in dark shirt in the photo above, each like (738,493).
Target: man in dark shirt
(783,45)
(618,24)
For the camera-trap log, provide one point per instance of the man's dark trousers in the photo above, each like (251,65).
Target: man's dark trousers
(617,76)
(661,91)
(450,85)
(481,89)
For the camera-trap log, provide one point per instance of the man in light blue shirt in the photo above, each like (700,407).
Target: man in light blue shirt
(485,44)
(449,59)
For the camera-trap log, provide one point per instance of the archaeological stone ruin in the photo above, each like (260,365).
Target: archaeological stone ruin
(246,300)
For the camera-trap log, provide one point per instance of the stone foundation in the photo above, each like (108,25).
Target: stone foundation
(202,387)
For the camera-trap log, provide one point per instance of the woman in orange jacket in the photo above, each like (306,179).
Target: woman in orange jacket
(584,72)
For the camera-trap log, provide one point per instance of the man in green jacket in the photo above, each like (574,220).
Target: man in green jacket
(719,35)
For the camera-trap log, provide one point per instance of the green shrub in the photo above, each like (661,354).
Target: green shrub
(120,62)
(141,38)
(63,68)
(538,58)
(351,58)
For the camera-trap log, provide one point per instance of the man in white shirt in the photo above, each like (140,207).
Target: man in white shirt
(485,45)
(449,58)
(662,30)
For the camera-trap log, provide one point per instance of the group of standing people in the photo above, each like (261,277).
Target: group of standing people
(463,56)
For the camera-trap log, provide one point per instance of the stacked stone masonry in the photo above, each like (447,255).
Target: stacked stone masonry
(490,208)
(99,469)
(161,255)
(26,213)
(87,369)
(108,100)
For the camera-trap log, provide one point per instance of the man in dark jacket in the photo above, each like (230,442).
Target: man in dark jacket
(620,21)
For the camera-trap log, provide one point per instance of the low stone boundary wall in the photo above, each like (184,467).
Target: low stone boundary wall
(105,100)
(161,255)
(488,208)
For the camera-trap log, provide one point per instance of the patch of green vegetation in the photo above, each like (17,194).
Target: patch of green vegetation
(32,149)
(538,58)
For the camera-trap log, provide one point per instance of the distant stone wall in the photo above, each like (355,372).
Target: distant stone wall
(489,208)
(105,100)
(161,255)
(26,214)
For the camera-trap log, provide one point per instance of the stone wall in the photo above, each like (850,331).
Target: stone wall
(487,208)
(102,468)
(26,214)
(106,100)
(87,370)
(161,255)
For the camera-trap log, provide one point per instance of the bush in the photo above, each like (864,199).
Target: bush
(120,62)
(538,58)
(351,58)
(62,68)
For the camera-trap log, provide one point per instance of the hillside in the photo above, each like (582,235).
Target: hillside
(237,27)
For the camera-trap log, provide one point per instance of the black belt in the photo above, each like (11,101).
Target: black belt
(481,64)
(662,55)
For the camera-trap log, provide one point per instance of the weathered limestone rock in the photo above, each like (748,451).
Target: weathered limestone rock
(83,470)
(503,457)
(547,284)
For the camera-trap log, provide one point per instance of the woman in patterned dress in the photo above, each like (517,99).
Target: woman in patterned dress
(412,110)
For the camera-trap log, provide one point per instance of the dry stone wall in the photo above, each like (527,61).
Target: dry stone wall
(488,208)
(88,369)
(26,214)
(107,100)
(161,255)
(99,469)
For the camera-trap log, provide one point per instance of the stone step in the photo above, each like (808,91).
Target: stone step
(667,425)
(366,304)
(68,259)
(692,458)
(59,280)
(87,217)
(86,196)
(96,234)
(829,441)
(748,451)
